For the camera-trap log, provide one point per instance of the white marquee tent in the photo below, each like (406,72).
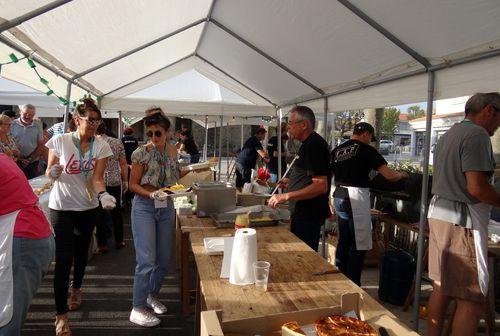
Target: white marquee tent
(333,55)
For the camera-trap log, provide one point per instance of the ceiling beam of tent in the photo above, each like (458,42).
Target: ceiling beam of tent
(207,20)
(46,64)
(435,68)
(236,80)
(363,16)
(133,51)
(268,57)
(150,74)
(30,15)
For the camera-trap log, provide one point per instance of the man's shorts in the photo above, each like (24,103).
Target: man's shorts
(452,261)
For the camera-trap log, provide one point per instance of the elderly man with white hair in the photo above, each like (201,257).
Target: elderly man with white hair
(28,132)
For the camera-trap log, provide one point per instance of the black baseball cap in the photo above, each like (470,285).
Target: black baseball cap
(362,127)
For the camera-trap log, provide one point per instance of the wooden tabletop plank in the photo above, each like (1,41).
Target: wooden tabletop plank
(291,283)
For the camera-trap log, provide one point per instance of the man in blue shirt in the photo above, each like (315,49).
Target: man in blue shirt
(247,159)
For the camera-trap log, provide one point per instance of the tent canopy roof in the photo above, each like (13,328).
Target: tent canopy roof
(269,52)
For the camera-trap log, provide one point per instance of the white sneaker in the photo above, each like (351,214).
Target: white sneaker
(143,317)
(156,305)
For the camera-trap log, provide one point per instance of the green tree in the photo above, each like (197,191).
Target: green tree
(415,111)
(390,122)
(345,121)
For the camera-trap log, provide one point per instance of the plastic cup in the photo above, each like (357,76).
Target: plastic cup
(261,271)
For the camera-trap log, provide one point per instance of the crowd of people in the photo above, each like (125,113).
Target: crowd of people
(92,170)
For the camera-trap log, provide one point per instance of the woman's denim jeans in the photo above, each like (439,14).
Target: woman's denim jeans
(154,240)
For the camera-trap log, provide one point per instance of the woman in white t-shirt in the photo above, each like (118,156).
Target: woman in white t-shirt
(76,163)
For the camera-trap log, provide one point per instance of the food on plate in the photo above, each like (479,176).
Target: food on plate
(338,325)
(291,329)
(45,187)
(175,187)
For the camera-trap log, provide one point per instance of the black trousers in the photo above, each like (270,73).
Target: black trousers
(73,232)
(115,216)
(308,229)
(243,175)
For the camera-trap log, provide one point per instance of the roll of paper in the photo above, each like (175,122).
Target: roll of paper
(243,256)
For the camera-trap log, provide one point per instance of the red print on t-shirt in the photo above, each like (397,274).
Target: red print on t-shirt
(73,166)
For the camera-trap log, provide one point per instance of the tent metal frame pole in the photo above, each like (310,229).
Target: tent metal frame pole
(241,134)
(220,145)
(268,57)
(388,35)
(215,139)
(32,14)
(236,80)
(66,108)
(120,125)
(207,21)
(45,64)
(424,199)
(278,134)
(148,75)
(434,68)
(205,146)
(325,122)
(133,51)
(227,149)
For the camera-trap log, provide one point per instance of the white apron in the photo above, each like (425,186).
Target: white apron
(361,214)
(6,282)
(480,215)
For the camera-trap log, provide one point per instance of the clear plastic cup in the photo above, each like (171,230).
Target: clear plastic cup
(261,271)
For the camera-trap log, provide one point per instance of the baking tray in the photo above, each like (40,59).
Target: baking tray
(226,220)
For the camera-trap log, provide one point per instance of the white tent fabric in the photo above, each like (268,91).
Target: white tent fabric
(266,51)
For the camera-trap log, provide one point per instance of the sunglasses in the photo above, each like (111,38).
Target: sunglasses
(91,121)
(157,134)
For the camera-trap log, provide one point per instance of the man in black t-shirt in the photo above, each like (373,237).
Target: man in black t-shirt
(247,159)
(272,151)
(351,165)
(129,143)
(189,146)
(308,184)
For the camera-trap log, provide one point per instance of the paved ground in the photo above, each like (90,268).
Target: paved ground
(108,300)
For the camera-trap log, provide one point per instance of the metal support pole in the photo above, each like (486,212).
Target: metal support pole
(120,125)
(66,108)
(205,146)
(325,120)
(215,139)
(424,199)
(241,136)
(227,150)
(220,145)
(278,134)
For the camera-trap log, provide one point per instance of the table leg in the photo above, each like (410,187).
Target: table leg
(411,292)
(490,309)
(185,274)
(197,326)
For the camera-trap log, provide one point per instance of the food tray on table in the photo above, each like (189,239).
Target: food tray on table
(257,218)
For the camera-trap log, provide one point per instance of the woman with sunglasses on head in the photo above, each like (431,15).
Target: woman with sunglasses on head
(76,164)
(154,166)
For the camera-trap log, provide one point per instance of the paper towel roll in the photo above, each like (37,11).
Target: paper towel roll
(243,256)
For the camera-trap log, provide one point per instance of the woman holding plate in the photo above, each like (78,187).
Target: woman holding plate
(154,166)
(76,163)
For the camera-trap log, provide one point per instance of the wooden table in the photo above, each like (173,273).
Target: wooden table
(184,226)
(291,285)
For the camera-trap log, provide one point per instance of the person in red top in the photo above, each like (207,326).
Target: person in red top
(26,246)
